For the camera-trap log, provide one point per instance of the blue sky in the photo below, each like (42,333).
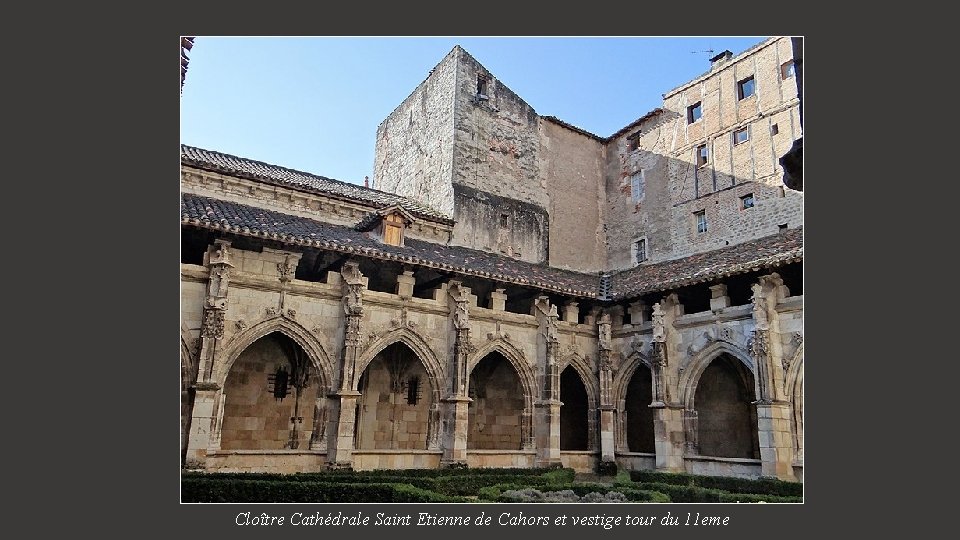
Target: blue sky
(314,103)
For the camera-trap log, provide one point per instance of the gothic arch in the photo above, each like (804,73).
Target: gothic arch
(691,375)
(417,344)
(300,335)
(621,379)
(587,377)
(516,359)
(795,370)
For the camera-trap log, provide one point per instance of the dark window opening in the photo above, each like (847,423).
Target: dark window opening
(782,226)
(787,70)
(633,142)
(640,249)
(701,218)
(638,415)
(695,298)
(193,245)
(694,112)
(746,88)
(741,136)
(574,427)
(481,87)
(746,201)
(504,218)
(792,275)
(413,390)
(774,129)
(701,155)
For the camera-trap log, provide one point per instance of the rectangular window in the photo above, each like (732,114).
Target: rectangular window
(636,186)
(701,155)
(694,112)
(745,88)
(701,217)
(633,142)
(504,219)
(640,250)
(774,129)
(746,201)
(481,87)
(413,390)
(787,70)
(741,136)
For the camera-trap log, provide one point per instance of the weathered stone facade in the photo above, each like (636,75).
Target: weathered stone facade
(511,326)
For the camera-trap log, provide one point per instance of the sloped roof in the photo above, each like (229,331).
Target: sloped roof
(246,220)
(304,181)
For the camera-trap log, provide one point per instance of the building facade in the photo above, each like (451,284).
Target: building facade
(512,292)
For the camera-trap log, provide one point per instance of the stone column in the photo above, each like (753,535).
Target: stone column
(456,402)
(206,410)
(718,297)
(342,423)
(203,424)
(318,438)
(773,407)
(405,283)
(608,461)
(668,417)
(547,425)
(498,300)
(571,312)
(636,312)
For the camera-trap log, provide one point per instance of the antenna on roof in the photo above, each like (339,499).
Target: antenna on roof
(709,51)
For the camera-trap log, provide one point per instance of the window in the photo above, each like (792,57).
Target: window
(701,217)
(782,226)
(746,201)
(745,88)
(640,250)
(774,129)
(413,390)
(393,230)
(787,70)
(694,112)
(633,142)
(636,186)
(504,219)
(701,155)
(741,136)
(481,88)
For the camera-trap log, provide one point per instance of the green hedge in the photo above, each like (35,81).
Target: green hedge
(696,494)
(195,489)
(763,486)
(494,493)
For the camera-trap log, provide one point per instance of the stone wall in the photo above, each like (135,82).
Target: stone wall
(415,142)
(388,420)
(572,167)
(496,413)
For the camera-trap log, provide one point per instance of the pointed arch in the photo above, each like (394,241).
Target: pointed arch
(283,325)
(691,375)
(416,343)
(795,370)
(587,377)
(794,389)
(513,355)
(623,375)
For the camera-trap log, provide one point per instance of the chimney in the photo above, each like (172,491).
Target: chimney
(720,59)
(366,181)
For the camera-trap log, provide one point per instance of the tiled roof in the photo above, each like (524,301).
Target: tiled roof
(275,174)
(785,247)
(251,221)
(770,251)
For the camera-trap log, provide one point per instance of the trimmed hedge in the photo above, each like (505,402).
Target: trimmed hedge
(237,490)
(763,486)
(696,494)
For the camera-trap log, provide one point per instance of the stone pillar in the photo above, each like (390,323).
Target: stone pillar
(498,300)
(343,403)
(636,312)
(455,426)
(776,440)
(690,429)
(548,406)
(668,432)
(571,312)
(608,462)
(616,316)
(718,297)
(203,424)
(318,438)
(405,283)
(592,316)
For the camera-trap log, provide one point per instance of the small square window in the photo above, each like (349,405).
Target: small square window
(633,142)
(636,186)
(741,136)
(701,217)
(701,155)
(746,201)
(774,129)
(694,112)
(745,88)
(504,218)
(787,70)
(640,250)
